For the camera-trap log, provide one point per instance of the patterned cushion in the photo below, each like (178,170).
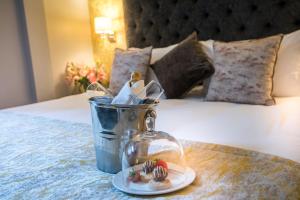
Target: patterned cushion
(126,62)
(244,71)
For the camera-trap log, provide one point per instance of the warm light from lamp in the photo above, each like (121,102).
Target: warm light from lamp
(103,25)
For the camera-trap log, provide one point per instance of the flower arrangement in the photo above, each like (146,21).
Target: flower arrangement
(79,76)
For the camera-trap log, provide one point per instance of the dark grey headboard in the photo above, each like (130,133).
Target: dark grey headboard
(163,22)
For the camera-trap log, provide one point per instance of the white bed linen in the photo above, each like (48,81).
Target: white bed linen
(268,129)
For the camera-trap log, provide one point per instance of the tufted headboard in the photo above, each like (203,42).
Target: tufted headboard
(163,22)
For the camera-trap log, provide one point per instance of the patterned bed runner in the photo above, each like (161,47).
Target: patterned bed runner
(42,158)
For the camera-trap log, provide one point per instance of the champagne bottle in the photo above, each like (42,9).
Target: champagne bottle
(135,76)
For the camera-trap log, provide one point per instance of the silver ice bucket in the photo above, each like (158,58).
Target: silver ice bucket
(112,126)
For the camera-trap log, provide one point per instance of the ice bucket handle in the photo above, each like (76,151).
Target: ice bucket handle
(149,120)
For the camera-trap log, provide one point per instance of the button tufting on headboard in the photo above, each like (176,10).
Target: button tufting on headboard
(163,22)
(167,21)
(282,4)
(205,14)
(268,26)
(242,28)
(253,7)
(185,17)
(217,30)
(229,11)
(157,6)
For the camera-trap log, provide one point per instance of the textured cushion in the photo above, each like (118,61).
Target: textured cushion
(287,68)
(158,53)
(183,67)
(244,71)
(126,62)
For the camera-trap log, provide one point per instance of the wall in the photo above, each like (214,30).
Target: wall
(58,31)
(16,86)
(39,49)
(69,37)
(103,49)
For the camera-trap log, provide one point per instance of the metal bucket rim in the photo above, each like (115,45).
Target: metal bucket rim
(122,106)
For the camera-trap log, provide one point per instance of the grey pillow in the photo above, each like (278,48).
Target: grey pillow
(125,62)
(244,71)
(183,67)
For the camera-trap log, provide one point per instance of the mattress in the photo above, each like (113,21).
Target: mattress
(268,129)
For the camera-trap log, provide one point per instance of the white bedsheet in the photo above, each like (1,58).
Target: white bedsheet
(268,129)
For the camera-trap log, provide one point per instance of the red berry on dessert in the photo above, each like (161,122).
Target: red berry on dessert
(162,163)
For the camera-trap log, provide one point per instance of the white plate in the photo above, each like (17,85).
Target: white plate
(179,179)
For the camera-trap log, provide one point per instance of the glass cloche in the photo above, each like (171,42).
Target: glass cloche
(153,160)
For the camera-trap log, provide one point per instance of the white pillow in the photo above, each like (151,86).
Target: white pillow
(286,81)
(158,53)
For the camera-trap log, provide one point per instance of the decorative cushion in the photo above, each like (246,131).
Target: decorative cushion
(244,71)
(287,68)
(126,62)
(158,53)
(183,67)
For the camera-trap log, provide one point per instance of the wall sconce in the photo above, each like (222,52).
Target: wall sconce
(103,27)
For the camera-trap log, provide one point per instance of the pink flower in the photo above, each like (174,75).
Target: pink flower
(76,72)
(83,71)
(101,75)
(92,76)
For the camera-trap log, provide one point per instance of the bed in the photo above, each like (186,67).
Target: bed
(239,151)
(273,130)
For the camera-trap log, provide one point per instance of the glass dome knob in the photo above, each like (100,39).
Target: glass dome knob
(150,124)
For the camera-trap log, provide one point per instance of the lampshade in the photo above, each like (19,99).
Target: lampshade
(103,25)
